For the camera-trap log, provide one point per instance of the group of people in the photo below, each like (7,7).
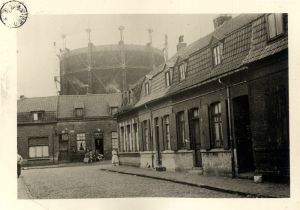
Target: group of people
(88,158)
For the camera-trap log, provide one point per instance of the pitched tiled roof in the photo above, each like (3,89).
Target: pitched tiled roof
(37,104)
(95,105)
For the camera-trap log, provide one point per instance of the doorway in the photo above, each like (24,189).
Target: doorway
(195,136)
(99,146)
(242,132)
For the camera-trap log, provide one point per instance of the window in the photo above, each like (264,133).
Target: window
(216,125)
(166,121)
(128,139)
(81,144)
(79,112)
(37,116)
(135,137)
(147,89)
(182,71)
(275,25)
(122,139)
(39,151)
(114,110)
(181,130)
(217,54)
(64,137)
(168,78)
(114,140)
(146,135)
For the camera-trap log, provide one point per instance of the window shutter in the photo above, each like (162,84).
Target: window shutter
(226,142)
(141,144)
(173,133)
(161,136)
(204,128)
(163,131)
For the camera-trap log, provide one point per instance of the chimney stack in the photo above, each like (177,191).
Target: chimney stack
(221,19)
(181,44)
(22,97)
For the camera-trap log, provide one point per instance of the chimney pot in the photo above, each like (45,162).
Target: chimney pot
(221,19)
(22,96)
(181,44)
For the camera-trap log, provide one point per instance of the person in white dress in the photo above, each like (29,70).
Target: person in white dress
(115,158)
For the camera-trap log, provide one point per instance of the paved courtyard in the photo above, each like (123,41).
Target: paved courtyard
(90,182)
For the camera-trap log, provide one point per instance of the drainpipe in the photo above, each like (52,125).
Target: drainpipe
(231,139)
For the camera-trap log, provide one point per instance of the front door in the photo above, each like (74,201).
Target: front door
(63,147)
(242,133)
(195,136)
(99,145)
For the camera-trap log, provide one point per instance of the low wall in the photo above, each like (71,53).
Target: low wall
(129,158)
(216,162)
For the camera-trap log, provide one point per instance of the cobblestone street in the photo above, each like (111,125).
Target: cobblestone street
(91,182)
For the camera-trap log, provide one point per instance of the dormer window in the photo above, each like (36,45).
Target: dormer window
(275,25)
(168,78)
(79,112)
(113,110)
(147,89)
(182,71)
(217,54)
(37,116)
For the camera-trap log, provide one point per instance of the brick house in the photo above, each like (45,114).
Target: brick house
(62,128)
(36,122)
(219,105)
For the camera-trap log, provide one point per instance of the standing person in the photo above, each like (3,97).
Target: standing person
(115,158)
(19,162)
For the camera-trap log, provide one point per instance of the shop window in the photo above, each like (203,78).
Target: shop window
(81,142)
(217,54)
(275,25)
(166,121)
(38,151)
(216,125)
(182,71)
(181,130)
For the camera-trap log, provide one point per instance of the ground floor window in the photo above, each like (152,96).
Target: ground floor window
(166,122)
(81,143)
(114,140)
(181,130)
(38,151)
(216,125)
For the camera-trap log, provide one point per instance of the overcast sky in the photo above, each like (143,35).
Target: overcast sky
(37,61)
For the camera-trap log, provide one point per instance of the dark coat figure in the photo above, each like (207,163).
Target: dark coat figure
(19,162)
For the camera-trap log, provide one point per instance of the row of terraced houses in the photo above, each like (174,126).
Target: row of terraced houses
(219,105)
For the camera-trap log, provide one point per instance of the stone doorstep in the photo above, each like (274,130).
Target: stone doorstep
(196,170)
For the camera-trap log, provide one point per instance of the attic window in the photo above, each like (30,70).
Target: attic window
(37,116)
(217,54)
(114,110)
(79,112)
(182,71)
(168,78)
(147,89)
(275,25)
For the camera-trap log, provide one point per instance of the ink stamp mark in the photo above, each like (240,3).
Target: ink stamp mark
(13,14)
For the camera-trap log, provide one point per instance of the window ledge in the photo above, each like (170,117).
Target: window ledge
(147,152)
(128,153)
(184,151)
(215,150)
(168,152)
(37,159)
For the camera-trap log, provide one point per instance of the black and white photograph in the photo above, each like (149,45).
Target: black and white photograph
(145,105)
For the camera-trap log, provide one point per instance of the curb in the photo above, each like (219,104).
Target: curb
(245,194)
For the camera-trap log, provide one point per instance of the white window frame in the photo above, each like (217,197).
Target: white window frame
(114,140)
